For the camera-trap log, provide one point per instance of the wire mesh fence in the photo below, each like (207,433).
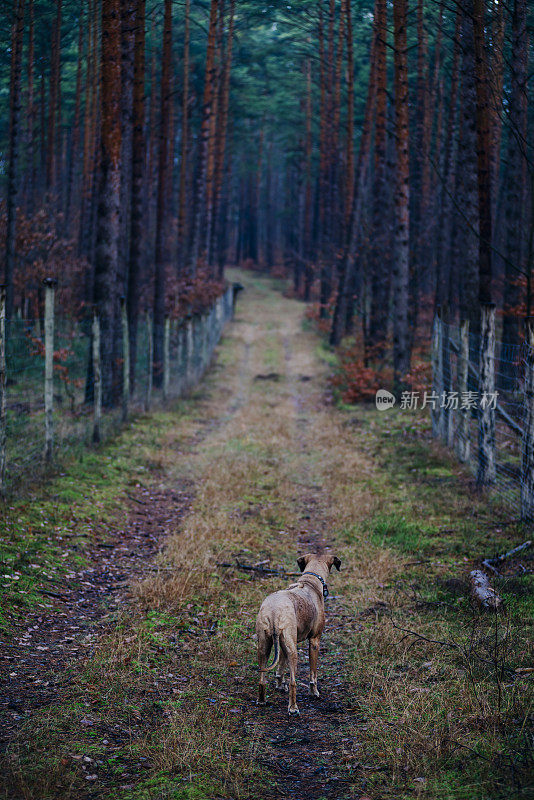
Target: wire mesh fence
(482,407)
(50,380)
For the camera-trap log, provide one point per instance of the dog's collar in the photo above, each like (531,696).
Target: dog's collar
(325,587)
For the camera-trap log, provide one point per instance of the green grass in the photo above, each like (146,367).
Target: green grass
(62,515)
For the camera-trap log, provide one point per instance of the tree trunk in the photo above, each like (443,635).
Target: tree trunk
(207,112)
(30,114)
(128,12)
(483,155)
(12,177)
(163,183)
(401,262)
(53,103)
(349,158)
(466,222)
(515,186)
(344,307)
(73,163)
(182,198)
(380,261)
(444,250)
(137,186)
(220,142)
(107,235)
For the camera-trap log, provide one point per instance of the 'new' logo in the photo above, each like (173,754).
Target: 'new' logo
(384,400)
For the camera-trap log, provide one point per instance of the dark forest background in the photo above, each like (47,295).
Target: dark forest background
(379,152)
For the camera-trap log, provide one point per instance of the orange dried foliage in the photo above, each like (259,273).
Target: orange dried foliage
(192,295)
(43,253)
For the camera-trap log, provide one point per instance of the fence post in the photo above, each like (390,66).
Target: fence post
(49,285)
(97,378)
(486,414)
(437,372)
(189,352)
(150,360)
(166,357)
(527,449)
(463,444)
(125,360)
(446,413)
(3,433)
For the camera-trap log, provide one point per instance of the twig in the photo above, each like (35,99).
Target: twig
(249,568)
(53,594)
(489,562)
(141,502)
(452,645)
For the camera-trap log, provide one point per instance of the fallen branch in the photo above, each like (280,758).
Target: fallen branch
(408,632)
(53,594)
(481,591)
(135,499)
(489,563)
(250,568)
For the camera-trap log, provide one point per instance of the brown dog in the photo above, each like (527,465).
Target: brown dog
(290,616)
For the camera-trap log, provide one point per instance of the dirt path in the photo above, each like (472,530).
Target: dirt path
(250,447)
(280,427)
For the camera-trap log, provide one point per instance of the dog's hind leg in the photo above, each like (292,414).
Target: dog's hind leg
(314,655)
(292,656)
(264,650)
(281,683)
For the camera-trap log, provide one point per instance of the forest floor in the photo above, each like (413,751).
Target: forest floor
(127,652)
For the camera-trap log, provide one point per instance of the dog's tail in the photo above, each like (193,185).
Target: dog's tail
(276,642)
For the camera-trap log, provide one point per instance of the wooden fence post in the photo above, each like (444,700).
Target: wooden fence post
(49,285)
(486,413)
(190,351)
(463,444)
(125,360)
(437,372)
(97,379)
(150,360)
(446,373)
(166,357)
(527,449)
(3,432)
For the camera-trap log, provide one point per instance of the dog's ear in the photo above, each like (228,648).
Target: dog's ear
(333,561)
(302,561)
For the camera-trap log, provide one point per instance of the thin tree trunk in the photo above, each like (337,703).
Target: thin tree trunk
(107,235)
(53,103)
(347,277)
(466,224)
(182,211)
(137,186)
(484,156)
(30,133)
(308,191)
(76,127)
(163,183)
(445,235)
(207,112)
(128,10)
(401,261)
(515,185)
(380,259)
(221,132)
(349,173)
(12,177)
